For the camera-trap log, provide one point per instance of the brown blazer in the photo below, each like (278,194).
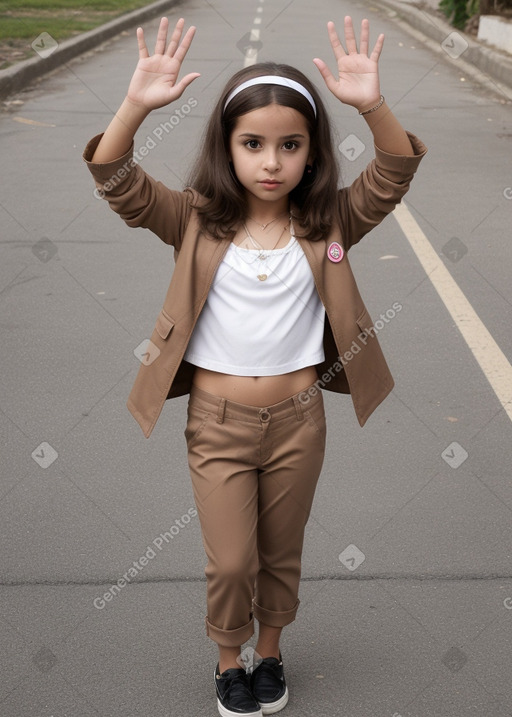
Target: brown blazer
(354,362)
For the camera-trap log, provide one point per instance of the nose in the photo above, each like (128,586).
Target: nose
(271,161)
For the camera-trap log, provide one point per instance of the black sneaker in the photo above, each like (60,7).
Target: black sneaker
(269,686)
(234,695)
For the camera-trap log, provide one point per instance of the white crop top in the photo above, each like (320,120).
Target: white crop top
(254,327)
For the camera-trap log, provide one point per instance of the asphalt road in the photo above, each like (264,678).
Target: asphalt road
(406,601)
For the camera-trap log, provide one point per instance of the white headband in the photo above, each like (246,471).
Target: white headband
(273,80)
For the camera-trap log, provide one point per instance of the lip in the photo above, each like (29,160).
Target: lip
(270,183)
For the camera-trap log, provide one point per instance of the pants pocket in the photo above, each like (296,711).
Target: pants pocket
(315,416)
(196,421)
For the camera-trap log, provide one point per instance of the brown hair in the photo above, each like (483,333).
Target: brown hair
(213,176)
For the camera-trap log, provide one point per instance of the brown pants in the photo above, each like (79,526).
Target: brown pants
(254,473)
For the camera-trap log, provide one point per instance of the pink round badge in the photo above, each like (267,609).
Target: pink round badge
(335,252)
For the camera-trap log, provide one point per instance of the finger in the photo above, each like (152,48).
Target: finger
(178,89)
(329,79)
(185,44)
(187,80)
(175,37)
(365,35)
(143,50)
(336,45)
(161,38)
(350,38)
(378,48)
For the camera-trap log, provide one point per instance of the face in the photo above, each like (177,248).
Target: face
(270,148)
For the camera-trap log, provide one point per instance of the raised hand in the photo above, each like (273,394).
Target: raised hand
(357,83)
(155,80)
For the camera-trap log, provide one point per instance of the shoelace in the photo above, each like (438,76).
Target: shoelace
(237,683)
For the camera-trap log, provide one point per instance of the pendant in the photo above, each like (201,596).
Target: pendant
(262,277)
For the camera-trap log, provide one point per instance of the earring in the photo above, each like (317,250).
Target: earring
(309,168)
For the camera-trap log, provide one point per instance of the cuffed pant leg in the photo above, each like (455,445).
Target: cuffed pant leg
(227,508)
(226,494)
(230,638)
(274,618)
(286,491)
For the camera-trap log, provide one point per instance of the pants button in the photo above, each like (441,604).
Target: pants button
(264,415)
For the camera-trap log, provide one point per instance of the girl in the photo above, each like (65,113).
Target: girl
(262,311)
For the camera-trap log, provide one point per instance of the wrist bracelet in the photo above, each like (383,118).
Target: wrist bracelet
(381,101)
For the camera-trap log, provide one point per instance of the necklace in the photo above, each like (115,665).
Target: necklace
(264,226)
(261,256)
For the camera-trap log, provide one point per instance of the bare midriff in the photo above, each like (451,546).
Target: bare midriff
(259,391)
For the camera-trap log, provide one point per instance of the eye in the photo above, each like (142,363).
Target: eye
(291,145)
(252,144)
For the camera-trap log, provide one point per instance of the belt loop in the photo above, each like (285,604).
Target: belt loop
(298,408)
(221,410)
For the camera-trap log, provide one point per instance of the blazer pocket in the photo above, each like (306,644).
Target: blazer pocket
(364,321)
(164,324)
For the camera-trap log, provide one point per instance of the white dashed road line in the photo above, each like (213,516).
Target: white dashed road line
(251,54)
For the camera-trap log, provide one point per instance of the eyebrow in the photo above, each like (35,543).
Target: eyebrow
(297,135)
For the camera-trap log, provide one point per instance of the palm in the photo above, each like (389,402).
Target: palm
(155,80)
(357,83)
(358,76)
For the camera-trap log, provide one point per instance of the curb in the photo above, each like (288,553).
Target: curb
(495,64)
(17,77)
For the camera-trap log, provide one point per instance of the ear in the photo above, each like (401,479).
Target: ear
(308,169)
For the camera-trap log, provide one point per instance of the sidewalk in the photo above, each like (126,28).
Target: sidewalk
(473,57)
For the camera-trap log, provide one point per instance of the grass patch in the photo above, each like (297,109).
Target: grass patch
(62,19)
